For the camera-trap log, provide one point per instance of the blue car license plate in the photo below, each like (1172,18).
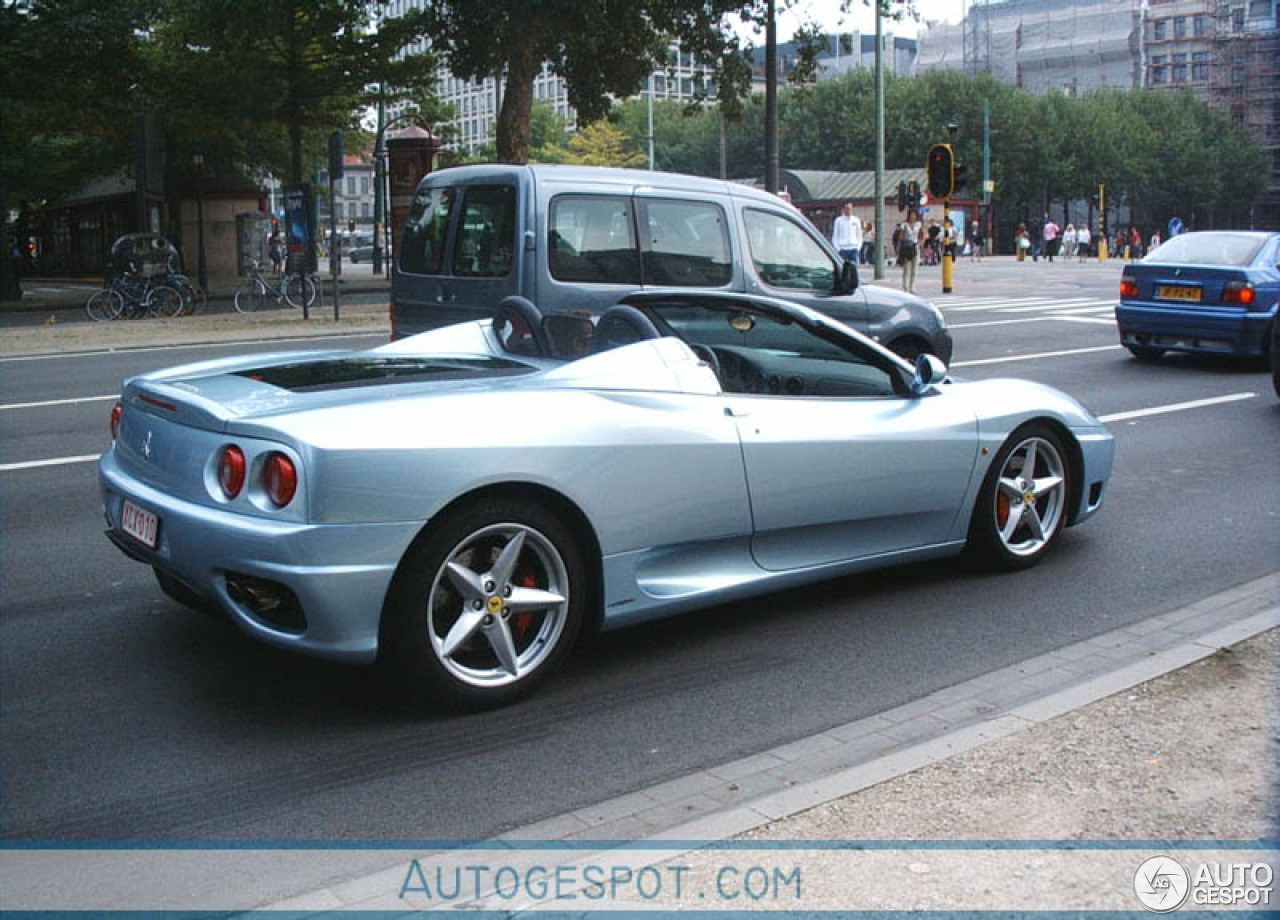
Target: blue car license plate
(1178,292)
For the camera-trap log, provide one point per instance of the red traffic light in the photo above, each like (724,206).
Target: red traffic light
(940,166)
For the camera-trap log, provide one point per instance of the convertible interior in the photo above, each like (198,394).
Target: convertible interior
(747,353)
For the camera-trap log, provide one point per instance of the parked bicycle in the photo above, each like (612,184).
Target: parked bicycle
(295,289)
(130,297)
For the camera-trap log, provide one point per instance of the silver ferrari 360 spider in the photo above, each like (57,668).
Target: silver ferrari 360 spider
(463,504)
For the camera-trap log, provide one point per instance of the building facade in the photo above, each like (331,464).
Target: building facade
(1227,52)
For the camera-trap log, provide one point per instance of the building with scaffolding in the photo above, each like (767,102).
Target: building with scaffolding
(1227,52)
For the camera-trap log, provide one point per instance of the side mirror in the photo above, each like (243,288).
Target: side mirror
(929,371)
(847,278)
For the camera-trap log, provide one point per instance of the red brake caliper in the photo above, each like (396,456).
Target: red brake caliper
(521,622)
(1002,509)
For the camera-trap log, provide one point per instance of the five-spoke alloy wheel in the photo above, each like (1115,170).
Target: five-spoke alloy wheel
(1023,504)
(486,605)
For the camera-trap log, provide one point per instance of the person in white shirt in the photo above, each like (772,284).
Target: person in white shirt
(1083,240)
(846,235)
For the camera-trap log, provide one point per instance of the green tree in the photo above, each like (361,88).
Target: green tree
(597,144)
(602,48)
(251,70)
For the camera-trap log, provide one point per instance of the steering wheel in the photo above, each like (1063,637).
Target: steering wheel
(707,356)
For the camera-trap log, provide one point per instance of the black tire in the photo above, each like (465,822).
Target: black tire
(1145,353)
(249,296)
(164,301)
(104,305)
(908,349)
(467,583)
(1020,514)
(299,290)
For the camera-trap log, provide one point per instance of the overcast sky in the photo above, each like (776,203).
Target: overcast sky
(861,17)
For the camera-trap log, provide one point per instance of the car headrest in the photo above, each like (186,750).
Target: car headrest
(622,324)
(518,324)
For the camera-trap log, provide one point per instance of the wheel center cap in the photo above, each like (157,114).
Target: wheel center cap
(1028,497)
(494,604)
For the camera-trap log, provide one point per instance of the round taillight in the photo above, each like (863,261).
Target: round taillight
(116,411)
(1128,286)
(280,478)
(231,470)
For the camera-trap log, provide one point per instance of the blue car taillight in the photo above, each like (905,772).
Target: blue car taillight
(1240,292)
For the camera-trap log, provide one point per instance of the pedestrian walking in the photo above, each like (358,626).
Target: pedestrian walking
(910,240)
(1049,233)
(868,243)
(276,249)
(949,239)
(1135,244)
(846,235)
(1155,241)
(1083,241)
(975,242)
(1022,243)
(1070,239)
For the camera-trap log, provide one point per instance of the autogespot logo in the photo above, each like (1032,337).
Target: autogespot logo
(1161,884)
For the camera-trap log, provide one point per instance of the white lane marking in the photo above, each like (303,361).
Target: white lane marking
(1001,322)
(1100,320)
(1176,407)
(1028,304)
(57,461)
(1036,357)
(58,402)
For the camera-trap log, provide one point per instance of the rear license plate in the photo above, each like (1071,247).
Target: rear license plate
(140,524)
(1178,292)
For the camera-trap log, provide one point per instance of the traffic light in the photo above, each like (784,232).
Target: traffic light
(940,166)
(957,173)
(902,196)
(913,195)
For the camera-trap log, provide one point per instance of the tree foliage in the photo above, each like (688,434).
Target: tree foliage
(1160,154)
(602,48)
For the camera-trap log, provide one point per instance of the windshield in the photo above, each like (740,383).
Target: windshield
(1208,249)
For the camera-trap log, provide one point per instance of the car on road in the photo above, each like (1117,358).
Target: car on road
(465,503)
(1212,292)
(582,237)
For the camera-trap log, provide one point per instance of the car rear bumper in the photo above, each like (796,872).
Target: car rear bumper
(1203,330)
(330,580)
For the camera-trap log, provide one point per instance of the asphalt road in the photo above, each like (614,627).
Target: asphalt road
(123,716)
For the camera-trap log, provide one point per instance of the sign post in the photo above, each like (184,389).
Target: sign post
(335,242)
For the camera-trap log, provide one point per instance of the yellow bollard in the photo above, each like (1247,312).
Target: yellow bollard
(946,272)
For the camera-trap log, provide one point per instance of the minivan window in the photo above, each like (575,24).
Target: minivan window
(687,244)
(486,233)
(592,238)
(425,231)
(785,256)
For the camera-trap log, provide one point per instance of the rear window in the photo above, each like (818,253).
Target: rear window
(1207,249)
(486,232)
(425,231)
(591,238)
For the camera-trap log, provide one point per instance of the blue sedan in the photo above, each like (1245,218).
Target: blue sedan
(1212,292)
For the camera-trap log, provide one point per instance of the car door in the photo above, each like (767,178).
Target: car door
(784,258)
(841,467)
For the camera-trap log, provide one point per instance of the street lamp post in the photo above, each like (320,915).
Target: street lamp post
(380,203)
(202,269)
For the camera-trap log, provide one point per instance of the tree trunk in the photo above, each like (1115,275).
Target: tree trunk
(517,103)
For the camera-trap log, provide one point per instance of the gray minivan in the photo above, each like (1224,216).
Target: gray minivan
(581,238)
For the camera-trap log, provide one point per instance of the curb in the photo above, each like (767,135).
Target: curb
(748,794)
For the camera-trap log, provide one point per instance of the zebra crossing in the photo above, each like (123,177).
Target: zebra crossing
(1030,309)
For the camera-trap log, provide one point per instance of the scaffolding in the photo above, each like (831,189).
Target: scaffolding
(1245,83)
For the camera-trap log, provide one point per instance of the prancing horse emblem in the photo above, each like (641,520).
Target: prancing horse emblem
(146,447)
